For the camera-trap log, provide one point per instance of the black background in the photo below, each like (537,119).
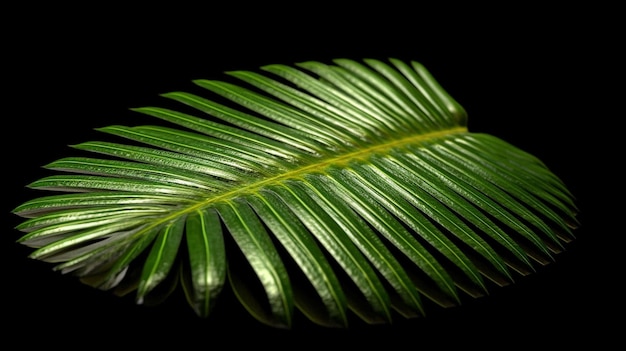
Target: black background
(538,78)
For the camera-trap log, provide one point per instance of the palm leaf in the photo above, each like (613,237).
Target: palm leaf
(331,190)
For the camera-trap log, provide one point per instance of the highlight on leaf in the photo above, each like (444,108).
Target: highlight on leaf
(341,190)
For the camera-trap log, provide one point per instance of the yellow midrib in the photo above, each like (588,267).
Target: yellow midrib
(297,173)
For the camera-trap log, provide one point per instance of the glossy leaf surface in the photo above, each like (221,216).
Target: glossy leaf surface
(337,190)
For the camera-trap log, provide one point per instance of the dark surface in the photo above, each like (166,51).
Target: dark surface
(534,82)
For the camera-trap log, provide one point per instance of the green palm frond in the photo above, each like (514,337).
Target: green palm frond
(331,190)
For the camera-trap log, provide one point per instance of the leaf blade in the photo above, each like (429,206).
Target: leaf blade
(161,258)
(254,242)
(207,260)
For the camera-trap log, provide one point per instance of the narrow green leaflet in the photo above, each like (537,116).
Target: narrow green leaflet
(302,246)
(163,158)
(334,190)
(161,258)
(48,204)
(256,245)
(59,247)
(103,183)
(207,260)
